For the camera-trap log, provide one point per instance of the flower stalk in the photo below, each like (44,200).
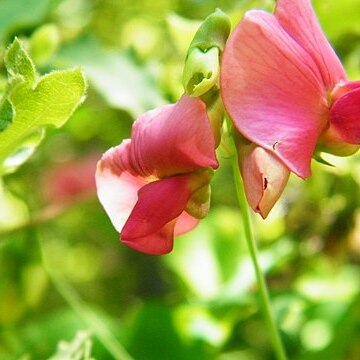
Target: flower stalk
(251,243)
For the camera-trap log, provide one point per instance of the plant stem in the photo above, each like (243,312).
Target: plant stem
(263,291)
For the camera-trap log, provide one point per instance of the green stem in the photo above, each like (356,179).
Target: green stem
(263,291)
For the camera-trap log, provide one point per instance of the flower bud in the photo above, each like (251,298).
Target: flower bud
(264,176)
(201,70)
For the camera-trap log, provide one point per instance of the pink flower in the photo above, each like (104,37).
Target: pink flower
(264,176)
(285,89)
(157,184)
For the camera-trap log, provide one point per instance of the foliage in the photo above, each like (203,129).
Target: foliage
(30,103)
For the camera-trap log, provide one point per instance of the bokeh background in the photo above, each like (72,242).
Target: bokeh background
(70,290)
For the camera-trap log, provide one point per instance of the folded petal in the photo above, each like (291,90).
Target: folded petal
(159,202)
(173,139)
(161,242)
(345,117)
(272,90)
(117,188)
(158,243)
(297,17)
(147,214)
(264,176)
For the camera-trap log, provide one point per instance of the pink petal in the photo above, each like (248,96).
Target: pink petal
(159,202)
(298,19)
(345,117)
(264,176)
(185,223)
(173,139)
(117,189)
(161,242)
(273,91)
(342,88)
(158,243)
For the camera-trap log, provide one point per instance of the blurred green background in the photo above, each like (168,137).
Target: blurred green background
(70,290)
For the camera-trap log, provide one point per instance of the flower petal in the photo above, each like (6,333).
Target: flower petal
(161,242)
(173,139)
(159,202)
(158,243)
(272,90)
(185,223)
(345,117)
(116,188)
(265,177)
(297,17)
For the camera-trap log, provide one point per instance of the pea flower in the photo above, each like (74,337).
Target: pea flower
(156,185)
(287,92)
(263,174)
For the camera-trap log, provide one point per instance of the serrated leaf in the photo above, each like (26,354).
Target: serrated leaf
(18,62)
(50,103)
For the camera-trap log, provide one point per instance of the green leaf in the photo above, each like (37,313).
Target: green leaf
(50,103)
(6,115)
(30,103)
(18,62)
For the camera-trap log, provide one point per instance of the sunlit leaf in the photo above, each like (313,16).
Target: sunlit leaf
(18,62)
(36,103)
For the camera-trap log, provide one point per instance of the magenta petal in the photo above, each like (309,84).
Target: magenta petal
(117,189)
(159,202)
(345,117)
(173,139)
(158,243)
(298,19)
(272,90)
